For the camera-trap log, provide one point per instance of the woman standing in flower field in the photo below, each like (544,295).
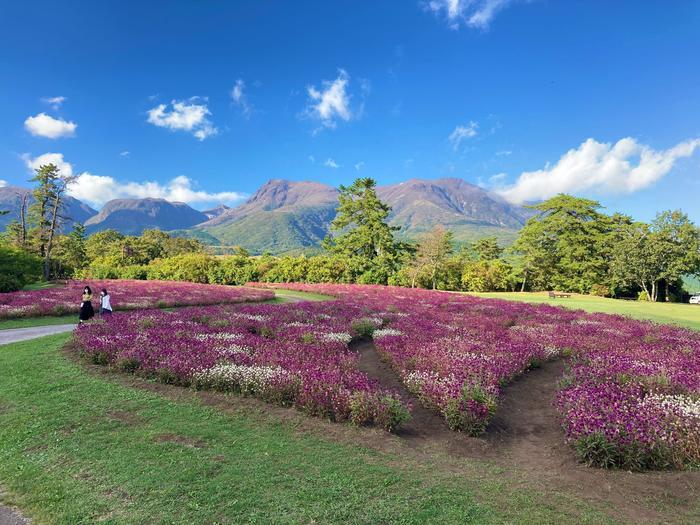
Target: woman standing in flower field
(87,312)
(105,304)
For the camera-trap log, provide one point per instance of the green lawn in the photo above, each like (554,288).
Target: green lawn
(38,286)
(286,296)
(78,448)
(682,314)
(26,322)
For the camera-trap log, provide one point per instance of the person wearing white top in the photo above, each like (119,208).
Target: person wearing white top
(105,305)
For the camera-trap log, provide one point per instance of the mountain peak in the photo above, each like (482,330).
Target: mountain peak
(132,216)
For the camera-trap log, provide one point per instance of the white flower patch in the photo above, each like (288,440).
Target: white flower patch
(386,332)
(339,337)
(324,316)
(249,379)
(296,323)
(685,405)
(219,336)
(251,317)
(551,351)
(236,349)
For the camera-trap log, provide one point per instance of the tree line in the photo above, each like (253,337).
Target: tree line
(569,244)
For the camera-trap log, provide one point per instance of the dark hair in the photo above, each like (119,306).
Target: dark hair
(104,291)
(89,290)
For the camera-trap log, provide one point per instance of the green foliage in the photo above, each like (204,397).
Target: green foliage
(432,256)
(600,290)
(17,268)
(664,251)
(363,235)
(234,269)
(487,276)
(596,450)
(565,246)
(192,267)
(487,249)
(363,327)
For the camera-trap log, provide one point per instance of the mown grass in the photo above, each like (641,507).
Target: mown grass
(81,448)
(287,296)
(681,314)
(27,322)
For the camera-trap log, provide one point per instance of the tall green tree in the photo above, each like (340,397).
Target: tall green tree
(362,233)
(487,249)
(637,261)
(433,253)
(72,252)
(564,245)
(45,211)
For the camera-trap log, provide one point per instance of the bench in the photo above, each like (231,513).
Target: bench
(554,295)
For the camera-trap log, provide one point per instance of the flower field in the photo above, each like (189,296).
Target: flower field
(125,295)
(629,399)
(293,356)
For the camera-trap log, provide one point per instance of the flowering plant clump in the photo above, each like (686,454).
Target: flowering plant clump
(125,295)
(293,356)
(631,396)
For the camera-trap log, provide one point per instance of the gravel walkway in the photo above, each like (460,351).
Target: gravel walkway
(14,335)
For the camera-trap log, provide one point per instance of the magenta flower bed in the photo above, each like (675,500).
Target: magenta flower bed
(294,355)
(631,396)
(125,295)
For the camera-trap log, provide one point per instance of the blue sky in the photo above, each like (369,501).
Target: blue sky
(205,101)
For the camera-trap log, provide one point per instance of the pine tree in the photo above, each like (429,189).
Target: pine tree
(363,234)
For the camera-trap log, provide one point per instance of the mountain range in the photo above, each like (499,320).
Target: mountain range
(286,216)
(11,199)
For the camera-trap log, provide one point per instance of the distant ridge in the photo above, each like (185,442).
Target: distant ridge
(132,216)
(285,216)
(281,216)
(10,199)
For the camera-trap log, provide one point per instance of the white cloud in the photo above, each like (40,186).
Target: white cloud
(240,98)
(98,189)
(3,183)
(473,13)
(43,125)
(461,133)
(54,102)
(35,163)
(624,167)
(359,165)
(498,179)
(331,102)
(124,153)
(185,115)
(330,163)
(312,159)
(504,153)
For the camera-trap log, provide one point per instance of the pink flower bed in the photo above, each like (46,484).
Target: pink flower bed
(631,396)
(294,355)
(125,295)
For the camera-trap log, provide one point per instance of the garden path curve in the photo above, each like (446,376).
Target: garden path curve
(14,335)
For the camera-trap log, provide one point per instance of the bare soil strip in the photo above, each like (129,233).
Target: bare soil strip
(525,437)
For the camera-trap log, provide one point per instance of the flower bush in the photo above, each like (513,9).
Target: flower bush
(125,295)
(293,356)
(630,398)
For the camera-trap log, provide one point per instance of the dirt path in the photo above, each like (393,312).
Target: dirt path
(11,516)
(13,335)
(525,438)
